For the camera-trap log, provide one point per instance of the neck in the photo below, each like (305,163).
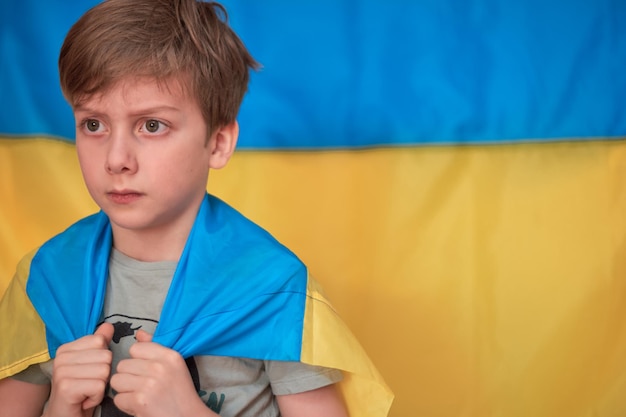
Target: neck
(155,244)
(149,247)
(162,239)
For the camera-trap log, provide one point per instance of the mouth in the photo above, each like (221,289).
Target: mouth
(124,196)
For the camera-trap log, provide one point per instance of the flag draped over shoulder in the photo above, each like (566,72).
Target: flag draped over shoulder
(236,292)
(452,172)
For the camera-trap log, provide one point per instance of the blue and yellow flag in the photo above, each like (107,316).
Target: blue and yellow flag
(236,292)
(452,172)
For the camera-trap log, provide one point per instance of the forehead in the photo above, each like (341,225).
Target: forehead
(137,89)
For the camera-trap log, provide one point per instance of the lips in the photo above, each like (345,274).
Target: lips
(124,196)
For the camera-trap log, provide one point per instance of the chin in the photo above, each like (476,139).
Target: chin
(129,221)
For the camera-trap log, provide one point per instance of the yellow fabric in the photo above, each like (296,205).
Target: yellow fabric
(363,389)
(370,396)
(481,281)
(41,193)
(25,350)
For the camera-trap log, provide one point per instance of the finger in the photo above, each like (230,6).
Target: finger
(84,358)
(127,382)
(155,352)
(95,396)
(99,340)
(130,402)
(83,392)
(106,330)
(143,336)
(151,365)
(92,341)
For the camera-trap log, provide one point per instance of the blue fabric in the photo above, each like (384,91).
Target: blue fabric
(236,290)
(343,73)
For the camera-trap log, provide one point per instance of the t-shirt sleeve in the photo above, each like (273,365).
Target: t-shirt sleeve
(35,374)
(296,377)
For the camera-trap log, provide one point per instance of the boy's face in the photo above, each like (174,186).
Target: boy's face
(143,151)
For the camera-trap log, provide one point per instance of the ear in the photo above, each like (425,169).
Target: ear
(222,144)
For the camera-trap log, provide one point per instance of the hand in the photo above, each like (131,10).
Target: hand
(155,382)
(80,373)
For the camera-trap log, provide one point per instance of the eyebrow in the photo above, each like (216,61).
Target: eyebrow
(138,112)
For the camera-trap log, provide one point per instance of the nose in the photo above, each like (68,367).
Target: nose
(121,154)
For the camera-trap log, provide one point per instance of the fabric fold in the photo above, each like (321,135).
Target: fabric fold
(236,292)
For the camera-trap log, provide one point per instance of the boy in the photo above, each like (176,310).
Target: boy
(155,86)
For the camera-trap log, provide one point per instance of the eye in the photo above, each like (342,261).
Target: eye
(92,125)
(152,126)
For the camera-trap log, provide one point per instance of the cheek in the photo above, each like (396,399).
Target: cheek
(85,159)
(193,159)
(176,168)
(89,164)
(190,169)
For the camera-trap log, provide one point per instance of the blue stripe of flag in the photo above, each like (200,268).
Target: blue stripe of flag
(341,73)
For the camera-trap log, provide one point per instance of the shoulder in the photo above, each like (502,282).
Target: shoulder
(224,217)
(292,377)
(80,232)
(235,235)
(74,240)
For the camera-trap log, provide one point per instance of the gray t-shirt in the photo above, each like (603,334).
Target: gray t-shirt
(229,386)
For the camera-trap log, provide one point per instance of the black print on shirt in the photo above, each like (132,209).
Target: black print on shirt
(212,402)
(122,330)
(123,327)
(126,326)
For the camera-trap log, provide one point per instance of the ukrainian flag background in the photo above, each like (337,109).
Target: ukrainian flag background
(453,172)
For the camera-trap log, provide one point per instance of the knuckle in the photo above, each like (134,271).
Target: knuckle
(151,385)
(133,349)
(141,400)
(114,380)
(173,357)
(157,368)
(102,340)
(107,356)
(58,371)
(102,372)
(64,387)
(123,366)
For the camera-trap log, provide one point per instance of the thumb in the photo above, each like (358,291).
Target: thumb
(143,336)
(107,330)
